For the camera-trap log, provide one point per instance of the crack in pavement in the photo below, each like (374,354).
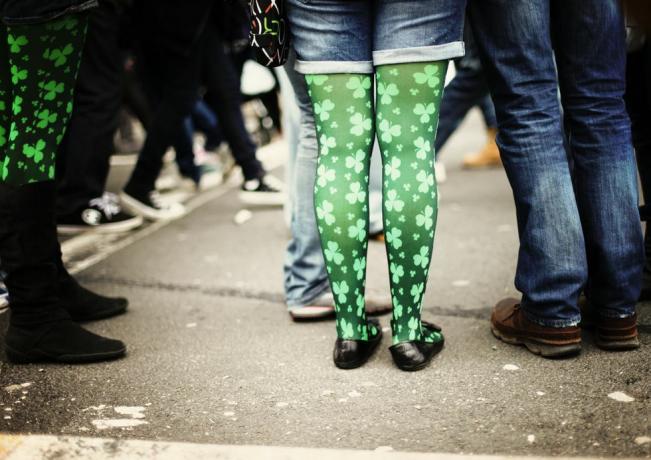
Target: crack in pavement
(248,293)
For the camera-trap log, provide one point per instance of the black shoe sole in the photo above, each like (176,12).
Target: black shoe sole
(19,357)
(617,345)
(540,349)
(99,315)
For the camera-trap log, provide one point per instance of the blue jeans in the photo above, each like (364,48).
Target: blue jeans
(305,272)
(577,217)
(342,36)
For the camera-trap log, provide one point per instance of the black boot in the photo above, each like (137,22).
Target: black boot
(40,328)
(81,303)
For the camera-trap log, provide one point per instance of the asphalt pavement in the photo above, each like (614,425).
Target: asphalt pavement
(215,359)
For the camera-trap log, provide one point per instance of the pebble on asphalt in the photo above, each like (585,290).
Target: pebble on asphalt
(461,283)
(242,216)
(511,367)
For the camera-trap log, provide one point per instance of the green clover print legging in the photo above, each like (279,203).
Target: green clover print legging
(38,69)
(406,118)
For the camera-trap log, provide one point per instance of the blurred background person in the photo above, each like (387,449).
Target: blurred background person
(83,161)
(466,90)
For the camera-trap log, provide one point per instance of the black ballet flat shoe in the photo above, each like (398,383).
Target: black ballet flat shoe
(350,354)
(416,355)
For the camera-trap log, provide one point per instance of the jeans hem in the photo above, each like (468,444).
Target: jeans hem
(293,304)
(615,314)
(556,323)
(419,54)
(333,67)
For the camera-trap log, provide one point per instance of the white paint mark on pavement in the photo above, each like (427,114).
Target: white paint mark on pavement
(18,386)
(540,393)
(108,423)
(132,411)
(99,408)
(229,413)
(282,404)
(641,440)
(511,367)
(191,325)
(621,396)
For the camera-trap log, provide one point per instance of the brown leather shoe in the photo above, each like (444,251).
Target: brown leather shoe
(509,324)
(614,334)
(488,156)
(617,334)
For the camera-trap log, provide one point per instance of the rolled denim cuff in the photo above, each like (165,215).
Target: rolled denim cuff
(569,322)
(616,314)
(309,296)
(419,54)
(333,67)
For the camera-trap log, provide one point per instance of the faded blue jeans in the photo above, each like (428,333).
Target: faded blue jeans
(304,268)
(577,212)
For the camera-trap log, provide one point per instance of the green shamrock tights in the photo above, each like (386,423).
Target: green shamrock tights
(38,69)
(406,118)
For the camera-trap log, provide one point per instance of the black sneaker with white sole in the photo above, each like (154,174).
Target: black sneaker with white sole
(101,215)
(266,190)
(151,206)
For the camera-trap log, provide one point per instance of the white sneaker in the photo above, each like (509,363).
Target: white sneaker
(166,183)
(320,308)
(151,206)
(267,190)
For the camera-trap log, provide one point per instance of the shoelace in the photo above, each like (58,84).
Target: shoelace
(112,197)
(156,200)
(109,207)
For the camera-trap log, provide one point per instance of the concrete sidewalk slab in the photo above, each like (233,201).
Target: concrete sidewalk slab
(70,448)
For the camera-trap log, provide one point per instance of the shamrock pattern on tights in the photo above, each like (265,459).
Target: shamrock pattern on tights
(406,117)
(407,131)
(39,68)
(344,119)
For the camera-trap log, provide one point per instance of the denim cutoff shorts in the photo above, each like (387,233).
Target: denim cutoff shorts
(354,36)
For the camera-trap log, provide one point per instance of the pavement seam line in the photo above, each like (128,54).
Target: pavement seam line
(86,240)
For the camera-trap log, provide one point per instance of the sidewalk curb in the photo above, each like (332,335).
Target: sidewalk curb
(76,448)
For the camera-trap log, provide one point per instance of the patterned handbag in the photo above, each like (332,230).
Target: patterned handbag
(269,35)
